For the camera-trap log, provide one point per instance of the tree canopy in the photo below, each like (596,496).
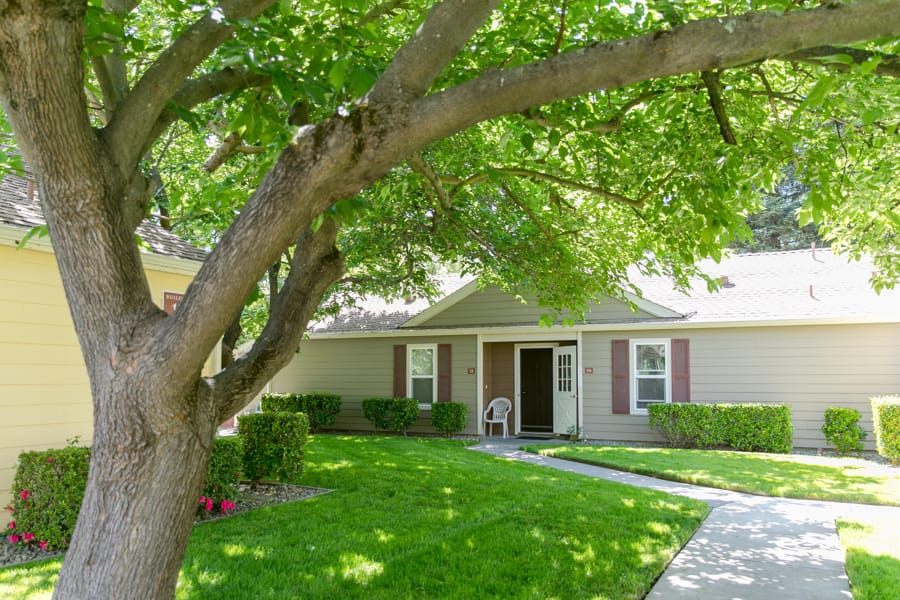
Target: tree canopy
(546,148)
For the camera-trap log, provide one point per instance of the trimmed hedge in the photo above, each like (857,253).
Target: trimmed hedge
(273,445)
(842,431)
(394,414)
(886,421)
(225,465)
(448,417)
(47,492)
(321,408)
(748,427)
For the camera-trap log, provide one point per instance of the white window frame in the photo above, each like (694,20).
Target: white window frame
(633,375)
(434,372)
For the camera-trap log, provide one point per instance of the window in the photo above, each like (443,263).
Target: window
(650,375)
(422,383)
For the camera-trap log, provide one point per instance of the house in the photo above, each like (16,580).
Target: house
(802,328)
(45,396)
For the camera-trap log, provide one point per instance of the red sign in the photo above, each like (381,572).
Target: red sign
(171,300)
(471,371)
(589,370)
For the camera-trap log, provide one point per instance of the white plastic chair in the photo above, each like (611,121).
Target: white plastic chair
(498,409)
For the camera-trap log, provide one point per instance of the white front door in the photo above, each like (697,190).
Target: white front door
(564,386)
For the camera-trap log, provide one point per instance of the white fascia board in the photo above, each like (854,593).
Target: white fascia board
(537,332)
(11,236)
(648,306)
(442,304)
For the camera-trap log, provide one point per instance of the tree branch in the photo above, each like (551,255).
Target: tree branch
(418,165)
(889,66)
(316,266)
(129,130)
(195,91)
(435,43)
(537,175)
(231,145)
(714,91)
(704,45)
(380,10)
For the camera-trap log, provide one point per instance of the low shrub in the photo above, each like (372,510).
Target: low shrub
(686,425)
(321,408)
(225,465)
(749,427)
(393,414)
(448,417)
(842,431)
(273,445)
(757,427)
(48,488)
(886,422)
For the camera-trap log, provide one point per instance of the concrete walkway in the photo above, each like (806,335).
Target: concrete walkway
(749,547)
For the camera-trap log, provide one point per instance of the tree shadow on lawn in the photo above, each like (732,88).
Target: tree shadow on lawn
(424,518)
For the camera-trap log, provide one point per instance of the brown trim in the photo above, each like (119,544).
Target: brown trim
(621,400)
(444,352)
(399,370)
(681,370)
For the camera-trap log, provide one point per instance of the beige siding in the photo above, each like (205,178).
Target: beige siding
(363,368)
(810,368)
(45,397)
(492,306)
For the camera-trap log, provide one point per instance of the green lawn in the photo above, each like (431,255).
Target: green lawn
(428,518)
(767,474)
(873,557)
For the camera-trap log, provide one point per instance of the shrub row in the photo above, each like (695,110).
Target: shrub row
(273,445)
(886,422)
(448,417)
(49,485)
(391,414)
(320,407)
(47,492)
(842,430)
(748,427)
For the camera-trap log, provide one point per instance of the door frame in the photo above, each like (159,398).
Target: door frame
(517,401)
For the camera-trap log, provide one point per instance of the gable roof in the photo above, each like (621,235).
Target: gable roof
(794,287)
(798,285)
(20,208)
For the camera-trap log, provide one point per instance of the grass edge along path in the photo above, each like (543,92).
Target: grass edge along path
(413,517)
(873,557)
(784,476)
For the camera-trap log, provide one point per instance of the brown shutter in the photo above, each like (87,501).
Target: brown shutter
(621,403)
(681,371)
(400,371)
(443,368)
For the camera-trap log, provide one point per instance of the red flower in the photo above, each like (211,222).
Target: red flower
(226,506)
(43,545)
(12,525)
(24,494)
(209,504)
(50,460)
(202,499)
(28,537)
(13,539)
(9,508)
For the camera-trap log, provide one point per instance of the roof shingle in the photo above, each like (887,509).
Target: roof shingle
(20,207)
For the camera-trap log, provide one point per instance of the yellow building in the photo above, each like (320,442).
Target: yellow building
(45,396)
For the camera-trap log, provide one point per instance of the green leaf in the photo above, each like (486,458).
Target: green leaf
(527,141)
(337,74)
(38,230)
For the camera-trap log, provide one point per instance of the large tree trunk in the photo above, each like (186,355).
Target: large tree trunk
(148,466)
